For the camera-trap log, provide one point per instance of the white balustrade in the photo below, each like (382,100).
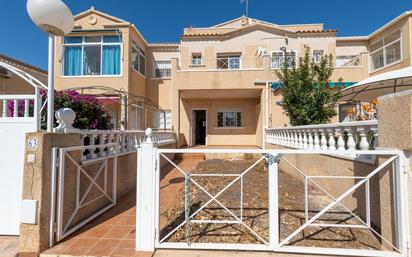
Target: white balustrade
(336,136)
(96,140)
(20,106)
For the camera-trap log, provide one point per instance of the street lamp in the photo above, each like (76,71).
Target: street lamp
(56,19)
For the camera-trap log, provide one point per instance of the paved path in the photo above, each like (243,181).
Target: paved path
(114,233)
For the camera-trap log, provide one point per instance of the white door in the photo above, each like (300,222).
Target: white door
(12,145)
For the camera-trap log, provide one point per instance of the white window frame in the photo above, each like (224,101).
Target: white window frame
(101,44)
(142,54)
(159,124)
(155,67)
(283,58)
(318,58)
(229,57)
(224,111)
(383,48)
(193,59)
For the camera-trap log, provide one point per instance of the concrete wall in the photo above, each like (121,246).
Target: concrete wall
(395,131)
(36,186)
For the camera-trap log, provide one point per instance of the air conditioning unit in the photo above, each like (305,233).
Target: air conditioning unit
(5,73)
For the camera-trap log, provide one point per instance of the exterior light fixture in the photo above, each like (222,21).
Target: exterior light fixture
(56,19)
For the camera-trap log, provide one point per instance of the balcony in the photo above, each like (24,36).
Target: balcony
(229,63)
(221,73)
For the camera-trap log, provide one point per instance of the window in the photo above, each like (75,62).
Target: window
(230,118)
(386,50)
(138,59)
(228,62)
(159,119)
(162,69)
(92,56)
(196,59)
(317,55)
(278,59)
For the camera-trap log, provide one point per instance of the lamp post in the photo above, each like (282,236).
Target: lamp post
(56,19)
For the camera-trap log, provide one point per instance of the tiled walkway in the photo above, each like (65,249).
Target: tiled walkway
(113,233)
(9,246)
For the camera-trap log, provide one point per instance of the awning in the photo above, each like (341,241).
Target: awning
(379,85)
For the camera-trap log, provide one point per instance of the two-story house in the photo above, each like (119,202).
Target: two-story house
(217,86)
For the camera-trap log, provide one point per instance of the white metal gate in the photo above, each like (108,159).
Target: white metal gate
(19,114)
(81,189)
(393,163)
(13,129)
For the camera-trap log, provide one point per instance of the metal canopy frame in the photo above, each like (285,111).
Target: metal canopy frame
(36,84)
(124,98)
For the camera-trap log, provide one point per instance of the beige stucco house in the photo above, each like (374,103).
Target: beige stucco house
(217,85)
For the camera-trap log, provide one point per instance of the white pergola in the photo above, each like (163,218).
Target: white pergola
(36,84)
(379,85)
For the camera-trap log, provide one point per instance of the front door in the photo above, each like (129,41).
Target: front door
(199,127)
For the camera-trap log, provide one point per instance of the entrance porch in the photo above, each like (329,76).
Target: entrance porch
(221,117)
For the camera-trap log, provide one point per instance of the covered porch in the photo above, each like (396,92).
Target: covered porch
(221,117)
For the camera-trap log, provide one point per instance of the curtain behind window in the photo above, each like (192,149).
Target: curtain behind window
(111,60)
(73,61)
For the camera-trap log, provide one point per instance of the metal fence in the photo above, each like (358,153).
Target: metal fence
(335,212)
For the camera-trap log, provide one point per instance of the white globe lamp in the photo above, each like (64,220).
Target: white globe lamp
(56,19)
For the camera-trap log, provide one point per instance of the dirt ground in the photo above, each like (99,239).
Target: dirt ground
(214,223)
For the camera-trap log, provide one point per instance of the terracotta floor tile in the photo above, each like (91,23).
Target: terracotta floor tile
(125,248)
(128,221)
(103,247)
(131,234)
(80,247)
(118,232)
(97,232)
(112,221)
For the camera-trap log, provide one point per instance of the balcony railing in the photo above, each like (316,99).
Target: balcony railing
(127,140)
(348,60)
(221,64)
(337,136)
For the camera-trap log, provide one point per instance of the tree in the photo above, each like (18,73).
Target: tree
(307,95)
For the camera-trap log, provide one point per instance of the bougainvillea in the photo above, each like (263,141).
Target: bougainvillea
(90,114)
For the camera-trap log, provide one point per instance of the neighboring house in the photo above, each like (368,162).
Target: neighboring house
(217,85)
(13,84)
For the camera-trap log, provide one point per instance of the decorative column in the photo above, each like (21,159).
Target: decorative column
(331,141)
(351,142)
(323,141)
(341,142)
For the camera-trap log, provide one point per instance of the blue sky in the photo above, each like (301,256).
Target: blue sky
(164,20)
